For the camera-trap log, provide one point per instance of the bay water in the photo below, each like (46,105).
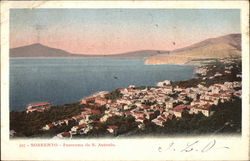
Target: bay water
(66,80)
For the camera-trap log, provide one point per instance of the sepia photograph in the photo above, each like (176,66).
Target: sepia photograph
(80,74)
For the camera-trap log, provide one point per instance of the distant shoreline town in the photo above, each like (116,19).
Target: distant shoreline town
(209,103)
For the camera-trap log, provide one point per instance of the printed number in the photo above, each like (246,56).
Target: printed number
(22,145)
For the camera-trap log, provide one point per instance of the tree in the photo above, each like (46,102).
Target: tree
(114,95)
(154,115)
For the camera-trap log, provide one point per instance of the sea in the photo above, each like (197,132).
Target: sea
(67,80)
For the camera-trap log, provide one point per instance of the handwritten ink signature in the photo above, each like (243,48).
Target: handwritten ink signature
(195,146)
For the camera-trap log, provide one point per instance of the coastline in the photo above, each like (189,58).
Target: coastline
(121,72)
(101,104)
(195,76)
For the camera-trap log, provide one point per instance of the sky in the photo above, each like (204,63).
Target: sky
(112,31)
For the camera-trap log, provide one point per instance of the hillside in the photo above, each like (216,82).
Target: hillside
(39,50)
(214,48)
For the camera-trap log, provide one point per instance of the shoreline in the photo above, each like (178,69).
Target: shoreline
(201,63)
(97,113)
(192,75)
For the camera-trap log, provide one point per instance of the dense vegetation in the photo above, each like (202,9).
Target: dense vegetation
(114,95)
(31,123)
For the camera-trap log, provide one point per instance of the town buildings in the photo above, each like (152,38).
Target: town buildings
(143,103)
(40,107)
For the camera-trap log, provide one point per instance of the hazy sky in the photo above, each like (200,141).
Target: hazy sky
(107,31)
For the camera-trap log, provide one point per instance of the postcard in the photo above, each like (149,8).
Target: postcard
(129,80)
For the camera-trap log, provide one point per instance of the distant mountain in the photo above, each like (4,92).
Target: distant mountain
(220,47)
(232,40)
(39,50)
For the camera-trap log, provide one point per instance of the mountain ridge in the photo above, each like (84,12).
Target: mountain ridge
(40,50)
(233,39)
(219,47)
(213,48)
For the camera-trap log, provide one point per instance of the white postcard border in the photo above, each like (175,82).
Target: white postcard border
(124,149)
